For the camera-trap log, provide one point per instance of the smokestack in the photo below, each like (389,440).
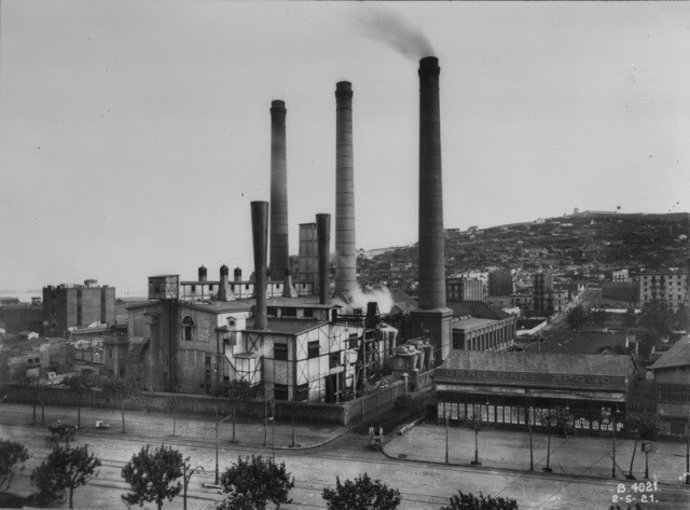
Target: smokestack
(345,249)
(260,239)
(202,274)
(237,274)
(279,205)
(432,287)
(323,236)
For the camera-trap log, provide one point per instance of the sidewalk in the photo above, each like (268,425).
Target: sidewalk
(160,425)
(577,456)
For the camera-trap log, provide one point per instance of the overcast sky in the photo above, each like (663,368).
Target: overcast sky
(133,135)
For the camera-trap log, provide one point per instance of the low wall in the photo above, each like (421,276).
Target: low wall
(344,413)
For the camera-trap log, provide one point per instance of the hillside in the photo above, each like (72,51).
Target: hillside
(583,243)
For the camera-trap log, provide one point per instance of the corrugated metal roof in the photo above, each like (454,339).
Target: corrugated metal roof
(677,356)
(290,327)
(507,361)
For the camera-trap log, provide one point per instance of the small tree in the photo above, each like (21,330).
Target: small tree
(65,468)
(646,424)
(476,423)
(463,501)
(153,475)
(121,388)
(555,420)
(11,455)
(171,405)
(253,482)
(361,493)
(237,392)
(81,385)
(576,318)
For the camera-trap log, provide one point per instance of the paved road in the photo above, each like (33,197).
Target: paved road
(424,485)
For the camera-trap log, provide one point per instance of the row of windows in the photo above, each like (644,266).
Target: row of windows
(673,393)
(280,351)
(514,415)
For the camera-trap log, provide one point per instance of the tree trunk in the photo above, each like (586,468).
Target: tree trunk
(122,408)
(632,460)
(79,414)
(233,422)
(174,424)
(548,451)
(71,492)
(34,422)
(476,447)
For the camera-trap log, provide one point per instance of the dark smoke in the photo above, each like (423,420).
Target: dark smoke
(390,28)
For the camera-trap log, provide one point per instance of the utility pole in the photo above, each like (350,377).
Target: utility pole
(446,436)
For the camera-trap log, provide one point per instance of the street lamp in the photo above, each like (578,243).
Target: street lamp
(186,476)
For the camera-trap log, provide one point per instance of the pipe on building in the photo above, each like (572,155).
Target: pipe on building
(345,248)
(432,288)
(259,211)
(279,202)
(323,236)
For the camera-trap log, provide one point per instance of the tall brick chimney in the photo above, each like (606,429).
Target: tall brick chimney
(260,239)
(279,200)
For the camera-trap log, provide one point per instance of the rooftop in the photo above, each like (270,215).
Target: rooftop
(677,356)
(289,326)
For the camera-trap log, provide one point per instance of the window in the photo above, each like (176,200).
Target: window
(271,311)
(334,360)
(353,341)
(308,312)
(246,287)
(280,352)
(122,372)
(302,392)
(290,312)
(188,325)
(208,362)
(280,392)
(313,349)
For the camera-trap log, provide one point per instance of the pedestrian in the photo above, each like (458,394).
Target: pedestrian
(371,435)
(381,433)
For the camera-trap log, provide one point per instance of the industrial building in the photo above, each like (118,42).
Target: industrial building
(68,306)
(465,289)
(672,388)
(508,388)
(480,327)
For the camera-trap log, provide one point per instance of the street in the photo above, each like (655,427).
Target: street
(423,485)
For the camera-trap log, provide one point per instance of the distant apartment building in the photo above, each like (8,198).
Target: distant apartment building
(668,286)
(542,293)
(621,276)
(77,306)
(465,289)
(500,283)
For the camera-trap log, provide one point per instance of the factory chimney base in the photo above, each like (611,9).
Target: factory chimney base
(437,325)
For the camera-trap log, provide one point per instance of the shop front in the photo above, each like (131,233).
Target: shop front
(516,389)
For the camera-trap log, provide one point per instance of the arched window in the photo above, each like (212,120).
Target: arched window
(188,325)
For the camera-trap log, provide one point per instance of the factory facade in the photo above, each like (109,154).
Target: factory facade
(507,388)
(66,307)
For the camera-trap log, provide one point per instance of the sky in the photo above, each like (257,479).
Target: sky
(134,135)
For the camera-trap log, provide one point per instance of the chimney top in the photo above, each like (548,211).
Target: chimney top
(428,63)
(277,104)
(343,88)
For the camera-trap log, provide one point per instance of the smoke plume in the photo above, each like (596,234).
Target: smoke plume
(360,298)
(393,30)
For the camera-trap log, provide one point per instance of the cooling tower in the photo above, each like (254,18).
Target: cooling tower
(279,204)
(345,249)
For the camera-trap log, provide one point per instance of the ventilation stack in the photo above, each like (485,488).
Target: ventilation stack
(224,290)
(345,248)
(260,239)
(323,236)
(279,203)
(432,318)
